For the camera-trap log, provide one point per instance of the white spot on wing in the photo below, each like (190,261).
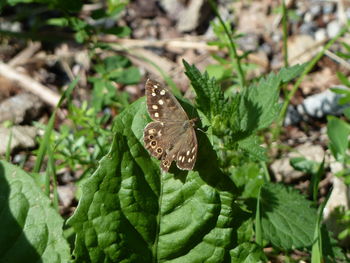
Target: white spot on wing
(188,153)
(161,102)
(156,115)
(189,160)
(155,86)
(153,94)
(193,149)
(155,107)
(162,92)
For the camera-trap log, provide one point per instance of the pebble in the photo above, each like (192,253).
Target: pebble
(328,8)
(320,105)
(333,28)
(320,34)
(315,106)
(308,28)
(315,9)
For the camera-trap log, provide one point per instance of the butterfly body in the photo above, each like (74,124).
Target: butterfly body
(170,137)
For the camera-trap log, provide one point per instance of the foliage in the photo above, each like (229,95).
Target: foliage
(82,142)
(131,212)
(31,230)
(150,211)
(111,70)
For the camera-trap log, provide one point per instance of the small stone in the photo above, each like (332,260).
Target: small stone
(292,116)
(22,137)
(307,28)
(328,8)
(249,42)
(308,17)
(319,105)
(315,9)
(333,28)
(20,108)
(320,34)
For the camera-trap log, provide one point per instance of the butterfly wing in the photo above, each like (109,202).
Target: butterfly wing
(171,136)
(160,142)
(187,153)
(162,105)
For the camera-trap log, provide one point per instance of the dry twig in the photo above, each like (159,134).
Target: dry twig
(29,84)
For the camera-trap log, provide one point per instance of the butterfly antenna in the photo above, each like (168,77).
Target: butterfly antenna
(198,129)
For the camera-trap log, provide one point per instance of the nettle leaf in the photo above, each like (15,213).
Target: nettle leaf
(31,230)
(288,219)
(130,212)
(210,97)
(288,74)
(252,146)
(259,104)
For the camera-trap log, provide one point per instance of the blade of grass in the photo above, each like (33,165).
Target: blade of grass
(51,173)
(315,180)
(233,49)
(316,252)
(285,32)
(8,147)
(266,171)
(258,231)
(308,68)
(49,128)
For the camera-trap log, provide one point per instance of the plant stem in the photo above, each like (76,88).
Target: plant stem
(232,46)
(285,32)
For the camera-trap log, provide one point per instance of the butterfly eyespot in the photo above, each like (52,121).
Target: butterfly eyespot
(159,150)
(153,143)
(165,163)
(151,137)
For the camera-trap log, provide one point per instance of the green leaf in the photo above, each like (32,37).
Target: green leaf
(338,132)
(252,146)
(130,212)
(259,104)
(248,178)
(210,97)
(288,219)
(288,74)
(248,253)
(343,79)
(31,230)
(120,31)
(304,165)
(113,62)
(347,113)
(127,76)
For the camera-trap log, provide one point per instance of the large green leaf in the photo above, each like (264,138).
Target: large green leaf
(288,220)
(30,229)
(130,212)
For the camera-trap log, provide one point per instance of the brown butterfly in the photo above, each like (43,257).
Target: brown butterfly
(170,137)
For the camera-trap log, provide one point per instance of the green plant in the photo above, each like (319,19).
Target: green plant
(111,70)
(158,217)
(84,141)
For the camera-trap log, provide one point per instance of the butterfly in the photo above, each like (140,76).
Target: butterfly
(171,135)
